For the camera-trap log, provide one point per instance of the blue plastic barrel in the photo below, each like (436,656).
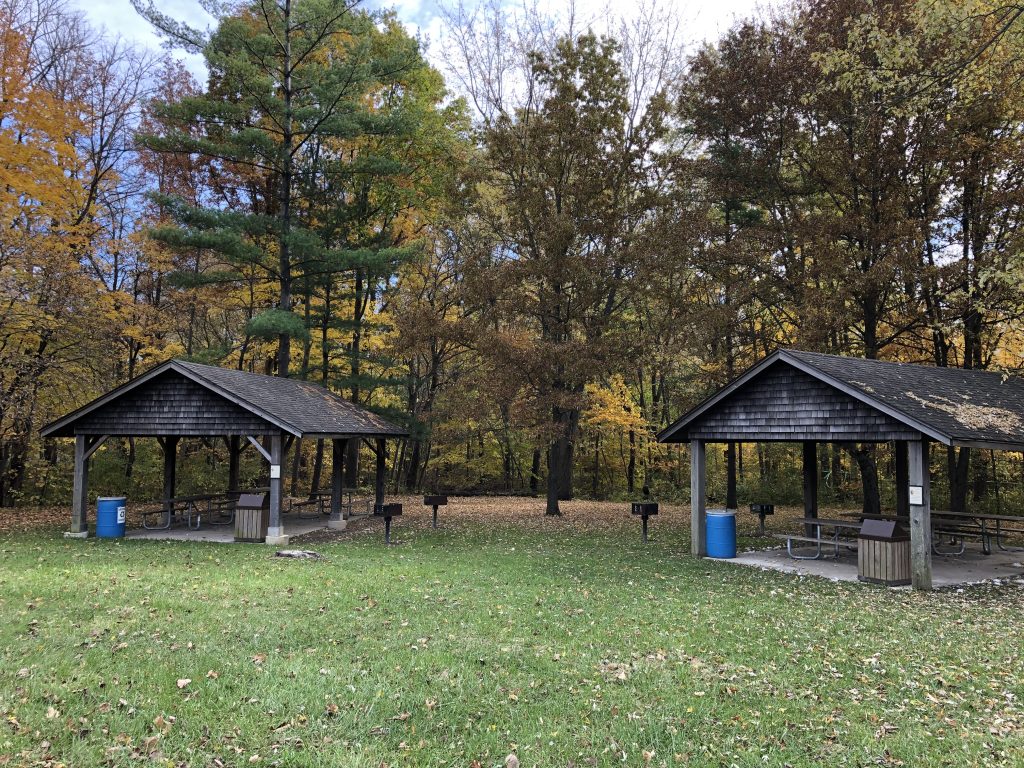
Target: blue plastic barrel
(721,533)
(110,517)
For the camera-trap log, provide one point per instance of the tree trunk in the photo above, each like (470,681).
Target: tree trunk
(631,467)
(129,464)
(554,469)
(958,464)
(285,195)
(535,471)
(412,471)
(865,458)
(730,471)
(296,460)
(563,449)
(318,468)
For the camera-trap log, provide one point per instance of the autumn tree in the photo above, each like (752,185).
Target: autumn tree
(569,169)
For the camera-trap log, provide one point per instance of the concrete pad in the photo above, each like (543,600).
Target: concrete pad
(947,570)
(224,534)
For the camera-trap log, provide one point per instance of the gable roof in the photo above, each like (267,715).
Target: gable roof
(950,405)
(296,407)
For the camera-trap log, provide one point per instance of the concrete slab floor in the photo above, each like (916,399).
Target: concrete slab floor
(971,567)
(220,534)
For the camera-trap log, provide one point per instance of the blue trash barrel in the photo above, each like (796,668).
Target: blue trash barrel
(110,517)
(721,533)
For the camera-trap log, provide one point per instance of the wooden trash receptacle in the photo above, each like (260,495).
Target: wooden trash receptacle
(883,553)
(252,517)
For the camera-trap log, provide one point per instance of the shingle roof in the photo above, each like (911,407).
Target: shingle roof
(298,407)
(965,406)
(951,405)
(309,407)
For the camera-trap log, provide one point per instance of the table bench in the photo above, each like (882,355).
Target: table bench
(836,540)
(179,509)
(217,508)
(957,526)
(316,503)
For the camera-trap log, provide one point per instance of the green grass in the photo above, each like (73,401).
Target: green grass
(463,646)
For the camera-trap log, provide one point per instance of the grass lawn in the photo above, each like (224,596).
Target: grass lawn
(565,642)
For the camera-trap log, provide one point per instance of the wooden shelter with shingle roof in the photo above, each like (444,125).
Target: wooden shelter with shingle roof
(807,397)
(184,399)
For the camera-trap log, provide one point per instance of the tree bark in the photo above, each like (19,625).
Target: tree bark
(958,464)
(865,458)
(730,472)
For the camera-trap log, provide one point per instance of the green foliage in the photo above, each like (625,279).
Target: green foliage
(274,322)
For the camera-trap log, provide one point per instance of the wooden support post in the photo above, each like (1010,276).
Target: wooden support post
(378,495)
(234,462)
(698,487)
(920,514)
(810,464)
(339,447)
(80,495)
(902,480)
(170,446)
(275,530)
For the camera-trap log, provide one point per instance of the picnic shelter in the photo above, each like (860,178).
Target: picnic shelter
(810,398)
(184,399)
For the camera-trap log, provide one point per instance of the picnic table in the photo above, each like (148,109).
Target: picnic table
(959,526)
(320,502)
(219,509)
(839,538)
(986,527)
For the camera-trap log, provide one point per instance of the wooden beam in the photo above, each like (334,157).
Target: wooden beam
(93,444)
(698,493)
(234,462)
(920,515)
(810,472)
(378,495)
(260,448)
(170,446)
(902,479)
(275,530)
(80,493)
(338,449)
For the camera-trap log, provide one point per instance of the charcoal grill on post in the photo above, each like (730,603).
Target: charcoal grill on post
(645,510)
(435,502)
(762,511)
(387,511)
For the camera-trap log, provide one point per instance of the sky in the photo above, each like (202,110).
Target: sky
(701,19)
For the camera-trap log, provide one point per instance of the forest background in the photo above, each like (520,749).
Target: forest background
(534,259)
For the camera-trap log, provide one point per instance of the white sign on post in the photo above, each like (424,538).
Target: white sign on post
(275,471)
(916,495)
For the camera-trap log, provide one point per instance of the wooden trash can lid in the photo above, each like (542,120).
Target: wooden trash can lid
(251,500)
